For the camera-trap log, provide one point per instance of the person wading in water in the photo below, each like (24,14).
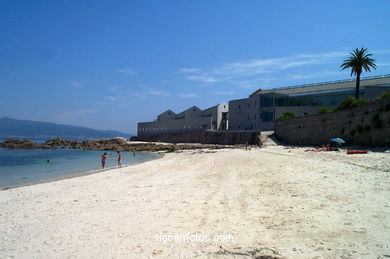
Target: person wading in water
(104,159)
(119,159)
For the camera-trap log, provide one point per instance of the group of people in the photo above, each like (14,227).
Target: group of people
(104,159)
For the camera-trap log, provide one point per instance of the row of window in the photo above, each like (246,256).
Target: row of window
(239,106)
(265,116)
(265,101)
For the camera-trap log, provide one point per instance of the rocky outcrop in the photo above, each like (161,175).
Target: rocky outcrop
(59,142)
(117,144)
(22,144)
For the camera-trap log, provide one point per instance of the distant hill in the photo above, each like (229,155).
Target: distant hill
(12,128)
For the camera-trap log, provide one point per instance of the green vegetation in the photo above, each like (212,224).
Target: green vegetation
(325,110)
(286,116)
(359,60)
(350,102)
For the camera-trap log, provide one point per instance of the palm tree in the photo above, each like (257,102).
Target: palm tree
(358,60)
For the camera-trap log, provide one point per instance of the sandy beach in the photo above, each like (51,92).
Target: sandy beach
(287,203)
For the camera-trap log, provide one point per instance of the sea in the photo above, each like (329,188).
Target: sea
(27,166)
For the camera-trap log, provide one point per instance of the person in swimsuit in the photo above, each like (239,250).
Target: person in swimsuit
(104,159)
(119,159)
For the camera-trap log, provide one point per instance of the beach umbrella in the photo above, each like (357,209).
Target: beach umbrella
(338,140)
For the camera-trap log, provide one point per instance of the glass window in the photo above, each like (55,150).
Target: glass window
(266,116)
(266,101)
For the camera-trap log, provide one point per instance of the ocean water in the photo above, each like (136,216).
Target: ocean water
(23,166)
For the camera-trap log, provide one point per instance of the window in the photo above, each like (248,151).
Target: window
(266,116)
(239,107)
(266,101)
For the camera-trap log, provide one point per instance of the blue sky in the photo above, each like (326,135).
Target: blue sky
(110,64)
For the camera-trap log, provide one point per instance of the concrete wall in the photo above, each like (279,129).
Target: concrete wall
(244,114)
(207,137)
(213,113)
(267,126)
(367,125)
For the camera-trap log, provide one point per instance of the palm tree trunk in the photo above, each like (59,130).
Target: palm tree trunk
(357,85)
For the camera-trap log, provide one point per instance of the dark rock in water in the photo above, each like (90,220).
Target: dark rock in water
(20,143)
(63,143)
(118,144)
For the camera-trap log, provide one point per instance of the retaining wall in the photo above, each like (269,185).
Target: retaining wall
(367,125)
(207,137)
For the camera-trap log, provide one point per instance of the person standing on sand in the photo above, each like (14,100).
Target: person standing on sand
(119,159)
(104,159)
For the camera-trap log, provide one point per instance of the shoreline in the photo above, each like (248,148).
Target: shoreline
(115,144)
(77,174)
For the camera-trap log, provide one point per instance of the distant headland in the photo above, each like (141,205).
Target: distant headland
(27,129)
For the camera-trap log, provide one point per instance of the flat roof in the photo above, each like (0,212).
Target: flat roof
(329,85)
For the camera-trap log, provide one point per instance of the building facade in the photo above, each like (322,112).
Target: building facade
(262,107)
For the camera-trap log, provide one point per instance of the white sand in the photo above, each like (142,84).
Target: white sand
(299,204)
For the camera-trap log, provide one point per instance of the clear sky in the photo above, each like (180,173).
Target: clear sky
(110,64)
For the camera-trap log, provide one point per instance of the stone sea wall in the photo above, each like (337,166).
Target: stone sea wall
(207,137)
(367,125)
